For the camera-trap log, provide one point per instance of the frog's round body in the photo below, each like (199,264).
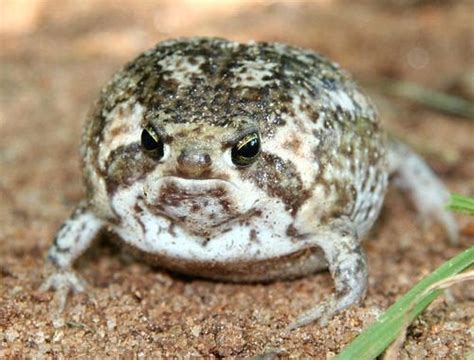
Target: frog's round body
(322,157)
(242,162)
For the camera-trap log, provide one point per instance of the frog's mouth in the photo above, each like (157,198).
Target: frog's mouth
(202,206)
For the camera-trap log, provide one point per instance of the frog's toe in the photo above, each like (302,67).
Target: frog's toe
(64,280)
(324,311)
(321,313)
(63,283)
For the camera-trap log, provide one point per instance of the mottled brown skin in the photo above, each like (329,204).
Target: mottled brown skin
(212,100)
(161,170)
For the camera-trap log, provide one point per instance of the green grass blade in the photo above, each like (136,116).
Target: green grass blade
(375,339)
(462,204)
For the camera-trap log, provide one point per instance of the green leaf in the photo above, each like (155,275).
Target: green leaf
(462,204)
(375,339)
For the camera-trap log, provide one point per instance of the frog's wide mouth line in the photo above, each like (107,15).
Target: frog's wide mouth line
(196,185)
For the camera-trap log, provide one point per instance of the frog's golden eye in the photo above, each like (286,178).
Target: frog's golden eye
(152,143)
(246,150)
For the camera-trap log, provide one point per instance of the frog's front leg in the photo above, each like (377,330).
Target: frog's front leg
(73,237)
(427,193)
(348,268)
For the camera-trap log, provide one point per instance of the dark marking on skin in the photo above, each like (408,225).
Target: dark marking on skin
(118,130)
(291,231)
(171,229)
(125,165)
(138,210)
(65,228)
(367,212)
(294,234)
(196,208)
(200,221)
(172,195)
(253,236)
(62,250)
(279,179)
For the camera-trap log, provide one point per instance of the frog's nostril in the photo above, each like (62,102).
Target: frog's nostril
(194,158)
(193,162)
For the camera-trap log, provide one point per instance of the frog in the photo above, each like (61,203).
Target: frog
(240,162)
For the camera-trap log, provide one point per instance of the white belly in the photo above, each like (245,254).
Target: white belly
(261,236)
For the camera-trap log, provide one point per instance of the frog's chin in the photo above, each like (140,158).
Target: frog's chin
(202,206)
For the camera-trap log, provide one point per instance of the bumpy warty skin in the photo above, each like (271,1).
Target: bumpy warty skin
(323,157)
(241,162)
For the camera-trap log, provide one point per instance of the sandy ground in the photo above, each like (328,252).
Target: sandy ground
(54,58)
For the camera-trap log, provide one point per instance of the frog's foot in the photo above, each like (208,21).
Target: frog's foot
(427,193)
(348,267)
(323,312)
(63,282)
(72,239)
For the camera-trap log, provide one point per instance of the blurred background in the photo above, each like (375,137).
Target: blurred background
(415,59)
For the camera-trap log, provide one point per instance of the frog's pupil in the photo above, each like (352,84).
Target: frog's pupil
(148,142)
(244,154)
(151,145)
(250,149)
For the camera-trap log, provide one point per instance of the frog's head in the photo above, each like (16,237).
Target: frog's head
(199,177)
(202,174)
(203,132)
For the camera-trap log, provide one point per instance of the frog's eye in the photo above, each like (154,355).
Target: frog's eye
(152,143)
(246,150)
